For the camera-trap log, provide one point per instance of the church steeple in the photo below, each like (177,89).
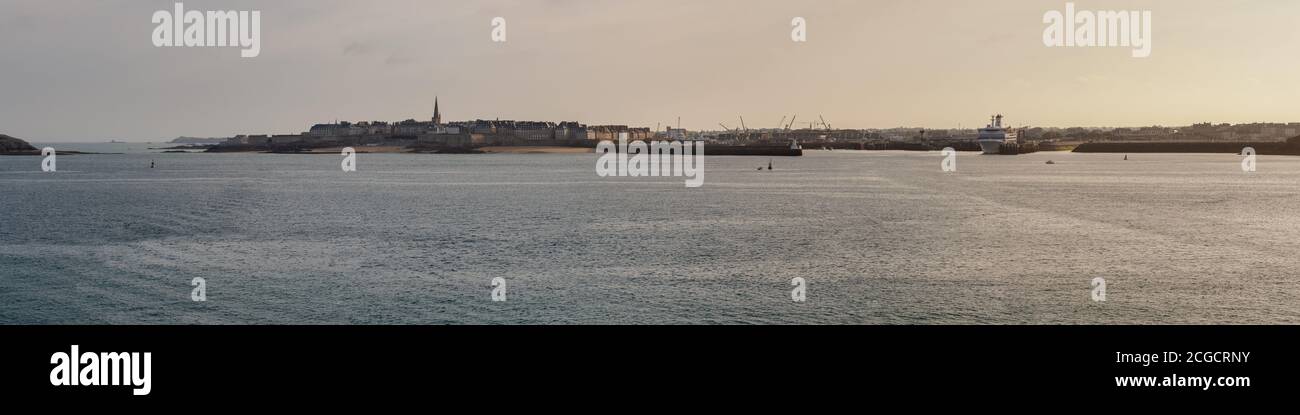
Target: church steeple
(437,115)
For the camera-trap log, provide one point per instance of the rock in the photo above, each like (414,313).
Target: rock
(13,145)
(198,140)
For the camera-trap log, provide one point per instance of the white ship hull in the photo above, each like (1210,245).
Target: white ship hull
(991,146)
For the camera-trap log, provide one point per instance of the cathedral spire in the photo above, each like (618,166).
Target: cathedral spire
(437,115)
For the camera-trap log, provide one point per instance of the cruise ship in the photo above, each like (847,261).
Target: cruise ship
(994,135)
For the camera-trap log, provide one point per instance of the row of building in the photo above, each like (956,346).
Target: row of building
(463,133)
(531,131)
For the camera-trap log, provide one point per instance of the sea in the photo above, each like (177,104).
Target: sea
(860,237)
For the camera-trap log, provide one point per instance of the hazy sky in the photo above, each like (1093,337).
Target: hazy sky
(87,70)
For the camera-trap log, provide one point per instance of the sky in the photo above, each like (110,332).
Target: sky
(87,70)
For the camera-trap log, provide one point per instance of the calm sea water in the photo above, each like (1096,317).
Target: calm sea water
(880,237)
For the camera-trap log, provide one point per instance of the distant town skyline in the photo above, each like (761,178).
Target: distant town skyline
(87,71)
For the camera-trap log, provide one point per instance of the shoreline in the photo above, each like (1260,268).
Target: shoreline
(57,153)
(1265,148)
(1276,148)
(535,150)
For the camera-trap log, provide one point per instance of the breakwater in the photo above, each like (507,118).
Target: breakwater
(1290,147)
(719,150)
(963,145)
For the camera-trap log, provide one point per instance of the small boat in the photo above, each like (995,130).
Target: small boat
(1051,162)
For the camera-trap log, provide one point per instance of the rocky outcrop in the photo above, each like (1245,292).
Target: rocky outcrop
(13,145)
(198,140)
